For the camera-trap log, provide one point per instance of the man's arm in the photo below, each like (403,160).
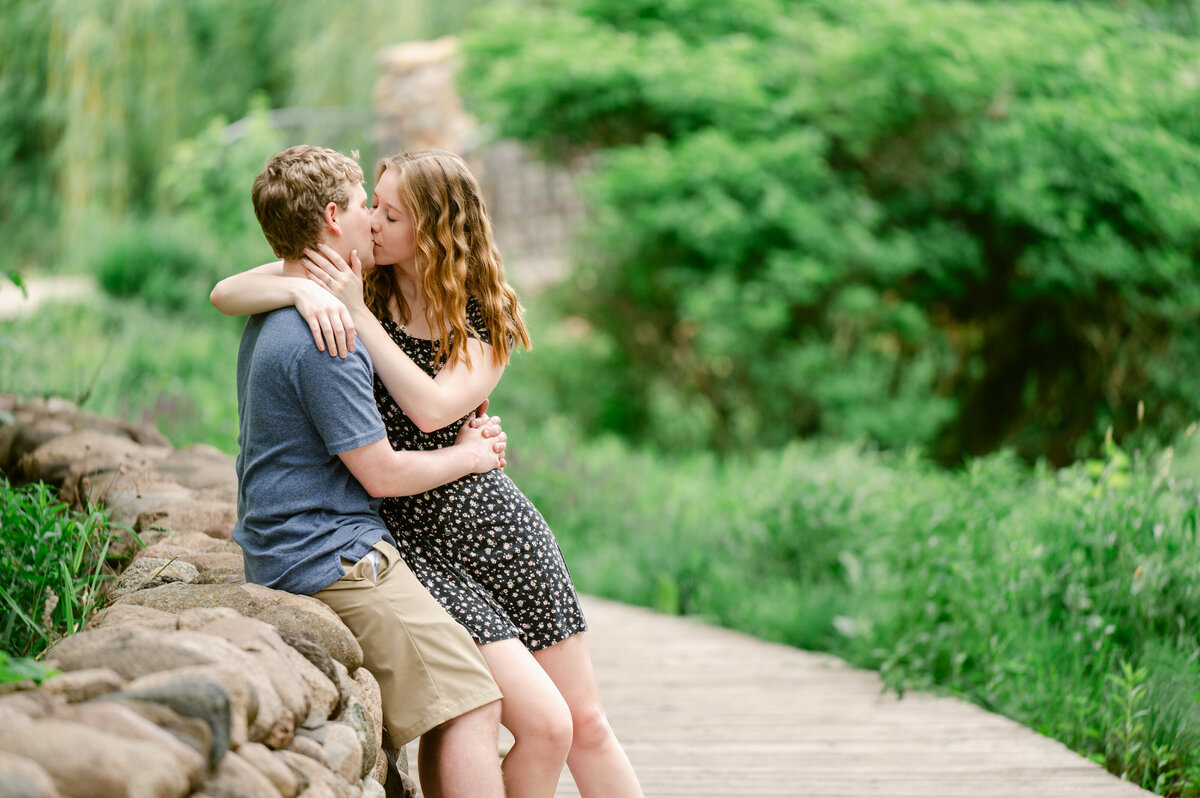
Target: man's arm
(385,472)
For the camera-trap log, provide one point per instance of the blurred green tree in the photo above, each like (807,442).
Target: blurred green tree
(962,225)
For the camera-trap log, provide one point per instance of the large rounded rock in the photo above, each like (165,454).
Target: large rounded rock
(344,752)
(21,777)
(111,718)
(126,615)
(213,518)
(245,702)
(84,450)
(84,684)
(130,651)
(191,731)
(84,764)
(205,700)
(152,572)
(271,766)
(237,778)
(301,615)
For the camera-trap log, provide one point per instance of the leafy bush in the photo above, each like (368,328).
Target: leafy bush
(1066,600)
(167,263)
(963,225)
(52,571)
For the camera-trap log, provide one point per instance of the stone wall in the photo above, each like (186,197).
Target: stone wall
(189,681)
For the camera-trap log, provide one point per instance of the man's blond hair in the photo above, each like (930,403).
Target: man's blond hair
(292,191)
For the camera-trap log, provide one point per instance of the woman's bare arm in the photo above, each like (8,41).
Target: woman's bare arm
(265,288)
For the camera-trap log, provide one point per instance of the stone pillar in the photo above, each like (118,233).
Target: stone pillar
(417,103)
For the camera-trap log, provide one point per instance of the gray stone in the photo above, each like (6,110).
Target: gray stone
(124,615)
(356,718)
(28,436)
(112,718)
(305,745)
(193,732)
(177,598)
(201,468)
(128,498)
(198,541)
(327,632)
(229,574)
(344,752)
(128,650)
(279,661)
(84,764)
(235,777)
(366,690)
(83,450)
(216,519)
(315,654)
(150,572)
(271,766)
(21,777)
(244,703)
(30,703)
(321,782)
(192,620)
(206,700)
(83,684)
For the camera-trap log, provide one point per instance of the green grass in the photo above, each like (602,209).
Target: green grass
(1067,600)
(121,359)
(52,573)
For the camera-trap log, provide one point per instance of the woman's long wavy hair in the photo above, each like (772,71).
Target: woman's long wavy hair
(456,257)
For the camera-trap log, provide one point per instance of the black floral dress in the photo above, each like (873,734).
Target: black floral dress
(477,544)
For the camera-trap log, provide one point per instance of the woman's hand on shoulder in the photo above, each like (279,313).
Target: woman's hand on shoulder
(329,270)
(328,319)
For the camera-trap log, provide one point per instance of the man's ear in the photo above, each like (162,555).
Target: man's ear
(333,218)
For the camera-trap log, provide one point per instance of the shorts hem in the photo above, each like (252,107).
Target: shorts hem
(444,713)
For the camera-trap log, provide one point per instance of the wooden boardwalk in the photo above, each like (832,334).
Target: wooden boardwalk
(709,712)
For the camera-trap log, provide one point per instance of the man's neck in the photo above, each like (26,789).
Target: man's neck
(294,268)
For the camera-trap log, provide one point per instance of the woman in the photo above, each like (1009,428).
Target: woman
(439,321)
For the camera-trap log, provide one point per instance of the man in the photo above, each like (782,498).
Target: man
(313,461)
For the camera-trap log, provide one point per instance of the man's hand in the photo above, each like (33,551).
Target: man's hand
(483,437)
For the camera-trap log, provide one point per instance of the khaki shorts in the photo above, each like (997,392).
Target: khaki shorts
(429,669)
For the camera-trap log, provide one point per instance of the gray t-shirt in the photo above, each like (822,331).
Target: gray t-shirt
(299,507)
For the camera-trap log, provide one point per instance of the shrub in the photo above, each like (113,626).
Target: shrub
(969,226)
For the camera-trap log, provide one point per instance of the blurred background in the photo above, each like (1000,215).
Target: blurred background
(878,317)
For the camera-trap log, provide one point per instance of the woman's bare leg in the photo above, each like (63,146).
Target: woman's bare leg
(598,763)
(536,714)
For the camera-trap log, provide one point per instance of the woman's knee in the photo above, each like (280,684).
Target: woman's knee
(590,727)
(548,728)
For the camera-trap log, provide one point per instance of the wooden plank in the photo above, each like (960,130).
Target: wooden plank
(703,711)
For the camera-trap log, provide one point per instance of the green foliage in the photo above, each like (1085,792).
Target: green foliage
(21,668)
(122,359)
(169,264)
(1065,600)
(51,572)
(209,177)
(962,225)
